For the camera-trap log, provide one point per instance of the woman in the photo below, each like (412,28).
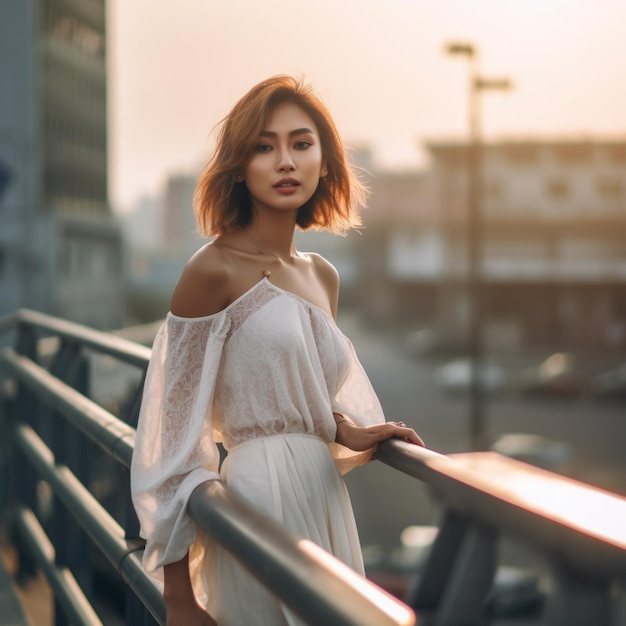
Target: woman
(250,355)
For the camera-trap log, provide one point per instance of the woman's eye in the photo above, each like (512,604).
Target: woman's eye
(263,147)
(302,145)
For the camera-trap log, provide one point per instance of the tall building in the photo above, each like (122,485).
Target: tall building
(60,245)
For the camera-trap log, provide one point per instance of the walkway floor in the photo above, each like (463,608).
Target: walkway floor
(11,612)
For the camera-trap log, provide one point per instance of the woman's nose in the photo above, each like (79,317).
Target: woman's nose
(285,162)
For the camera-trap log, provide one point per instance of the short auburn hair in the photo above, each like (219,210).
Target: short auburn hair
(221,204)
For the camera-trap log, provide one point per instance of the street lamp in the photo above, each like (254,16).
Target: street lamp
(476,85)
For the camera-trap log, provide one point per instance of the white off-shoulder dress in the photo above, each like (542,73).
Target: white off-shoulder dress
(263,376)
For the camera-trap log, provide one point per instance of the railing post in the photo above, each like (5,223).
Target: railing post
(66,356)
(431,585)
(472,579)
(458,574)
(23,476)
(7,413)
(71,449)
(135,611)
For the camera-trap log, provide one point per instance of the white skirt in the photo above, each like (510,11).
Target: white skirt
(293,480)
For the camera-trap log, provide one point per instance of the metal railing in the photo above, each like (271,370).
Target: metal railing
(578,530)
(52,420)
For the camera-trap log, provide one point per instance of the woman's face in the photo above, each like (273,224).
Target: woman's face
(287,162)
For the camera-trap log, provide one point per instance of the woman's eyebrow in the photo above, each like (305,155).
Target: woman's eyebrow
(298,131)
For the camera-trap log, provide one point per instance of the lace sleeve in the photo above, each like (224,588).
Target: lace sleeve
(175,449)
(356,398)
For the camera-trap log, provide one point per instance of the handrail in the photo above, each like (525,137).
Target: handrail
(105,532)
(315,584)
(64,586)
(475,484)
(107,431)
(483,495)
(103,342)
(322,590)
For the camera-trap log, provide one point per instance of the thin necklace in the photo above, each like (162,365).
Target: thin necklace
(259,250)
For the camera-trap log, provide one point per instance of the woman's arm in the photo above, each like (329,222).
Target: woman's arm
(180,601)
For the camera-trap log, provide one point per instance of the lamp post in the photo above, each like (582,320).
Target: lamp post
(476,85)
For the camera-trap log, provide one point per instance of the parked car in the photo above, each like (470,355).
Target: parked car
(610,385)
(423,342)
(455,376)
(559,374)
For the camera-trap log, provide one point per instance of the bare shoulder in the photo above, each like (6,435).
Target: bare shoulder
(324,269)
(204,285)
(328,277)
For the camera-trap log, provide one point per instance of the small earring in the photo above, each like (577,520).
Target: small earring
(238,178)
(323,173)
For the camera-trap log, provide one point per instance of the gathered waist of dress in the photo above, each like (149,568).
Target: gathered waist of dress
(250,442)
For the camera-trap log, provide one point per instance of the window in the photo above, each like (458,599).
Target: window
(61,23)
(522,153)
(571,153)
(494,189)
(617,152)
(557,188)
(609,188)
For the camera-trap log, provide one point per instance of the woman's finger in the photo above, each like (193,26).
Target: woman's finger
(403,432)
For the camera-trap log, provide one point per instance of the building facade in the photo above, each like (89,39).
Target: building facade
(60,245)
(553,253)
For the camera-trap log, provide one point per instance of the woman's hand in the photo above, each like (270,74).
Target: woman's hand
(188,614)
(360,438)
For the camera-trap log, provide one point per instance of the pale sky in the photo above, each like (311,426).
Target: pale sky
(176,67)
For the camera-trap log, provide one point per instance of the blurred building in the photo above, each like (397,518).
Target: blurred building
(180,233)
(400,251)
(60,246)
(161,236)
(554,247)
(554,251)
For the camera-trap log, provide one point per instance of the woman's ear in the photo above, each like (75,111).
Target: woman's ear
(323,170)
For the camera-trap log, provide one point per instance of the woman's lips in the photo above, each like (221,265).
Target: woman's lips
(287,185)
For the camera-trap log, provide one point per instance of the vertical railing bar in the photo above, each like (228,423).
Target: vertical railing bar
(61,529)
(79,457)
(132,416)
(48,422)
(440,562)
(132,526)
(136,612)
(464,601)
(26,407)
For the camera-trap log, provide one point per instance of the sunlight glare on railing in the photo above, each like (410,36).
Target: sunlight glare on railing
(389,605)
(592,511)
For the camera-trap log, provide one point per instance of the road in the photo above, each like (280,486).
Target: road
(386,502)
